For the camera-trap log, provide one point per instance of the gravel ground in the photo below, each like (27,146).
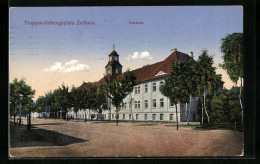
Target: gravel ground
(56,138)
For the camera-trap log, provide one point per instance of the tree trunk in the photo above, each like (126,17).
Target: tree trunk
(189,111)
(85,116)
(186,114)
(240,100)
(202,113)
(14,119)
(176,116)
(205,106)
(30,119)
(117,117)
(89,115)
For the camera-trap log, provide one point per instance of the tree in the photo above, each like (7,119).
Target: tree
(76,100)
(90,98)
(225,107)
(188,83)
(102,97)
(118,89)
(175,86)
(232,49)
(15,89)
(61,99)
(40,103)
(208,80)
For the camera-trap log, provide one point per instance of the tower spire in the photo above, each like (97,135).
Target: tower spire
(113,47)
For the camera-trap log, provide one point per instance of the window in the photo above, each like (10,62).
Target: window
(161,84)
(154,116)
(154,87)
(161,116)
(194,116)
(116,71)
(145,104)
(145,88)
(136,116)
(171,117)
(154,103)
(130,116)
(135,90)
(110,58)
(112,116)
(115,58)
(171,103)
(124,105)
(137,105)
(123,116)
(161,102)
(145,116)
(138,89)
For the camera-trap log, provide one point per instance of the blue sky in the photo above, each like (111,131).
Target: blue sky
(36,48)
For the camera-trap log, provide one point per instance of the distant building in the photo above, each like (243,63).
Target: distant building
(148,104)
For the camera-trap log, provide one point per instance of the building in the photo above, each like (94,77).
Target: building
(146,102)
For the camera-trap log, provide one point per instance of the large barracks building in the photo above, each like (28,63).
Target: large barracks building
(148,104)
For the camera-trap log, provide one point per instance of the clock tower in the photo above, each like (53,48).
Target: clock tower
(113,66)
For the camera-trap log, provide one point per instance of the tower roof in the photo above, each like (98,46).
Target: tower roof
(113,53)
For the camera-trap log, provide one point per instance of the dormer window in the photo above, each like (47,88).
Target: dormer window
(160,73)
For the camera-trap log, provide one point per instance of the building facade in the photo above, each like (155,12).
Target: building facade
(146,102)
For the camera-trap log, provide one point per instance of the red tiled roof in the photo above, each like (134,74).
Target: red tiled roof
(148,72)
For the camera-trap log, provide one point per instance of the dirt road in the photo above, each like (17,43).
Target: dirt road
(55,138)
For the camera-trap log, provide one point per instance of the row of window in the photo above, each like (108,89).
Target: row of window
(137,104)
(145,116)
(154,87)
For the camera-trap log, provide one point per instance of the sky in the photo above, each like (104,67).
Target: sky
(76,49)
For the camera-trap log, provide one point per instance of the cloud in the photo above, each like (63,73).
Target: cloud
(72,62)
(142,55)
(56,67)
(77,68)
(70,66)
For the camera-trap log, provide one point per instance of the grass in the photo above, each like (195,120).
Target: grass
(226,125)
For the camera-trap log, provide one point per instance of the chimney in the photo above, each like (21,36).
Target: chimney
(191,54)
(173,50)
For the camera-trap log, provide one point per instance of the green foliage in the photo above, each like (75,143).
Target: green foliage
(174,87)
(119,89)
(232,48)
(40,104)
(75,99)
(90,97)
(60,100)
(102,92)
(208,80)
(15,89)
(225,107)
